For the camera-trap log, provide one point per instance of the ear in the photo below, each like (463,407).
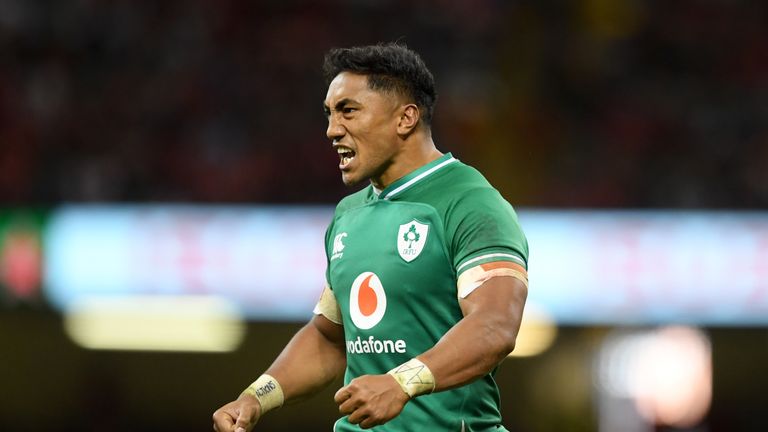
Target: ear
(409,119)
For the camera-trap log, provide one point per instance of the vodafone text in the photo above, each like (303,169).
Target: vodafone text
(375,346)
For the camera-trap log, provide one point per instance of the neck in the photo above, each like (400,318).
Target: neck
(418,152)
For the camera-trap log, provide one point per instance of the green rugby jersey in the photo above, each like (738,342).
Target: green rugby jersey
(393,263)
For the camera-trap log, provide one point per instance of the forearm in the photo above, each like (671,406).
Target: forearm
(309,362)
(480,341)
(467,352)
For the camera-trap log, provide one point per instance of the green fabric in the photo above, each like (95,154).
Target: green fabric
(401,251)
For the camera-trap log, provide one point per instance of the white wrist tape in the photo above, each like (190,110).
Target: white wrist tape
(267,391)
(414,377)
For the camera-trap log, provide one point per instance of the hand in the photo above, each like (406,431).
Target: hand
(237,416)
(371,400)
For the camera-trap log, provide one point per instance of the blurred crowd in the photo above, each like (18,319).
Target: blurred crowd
(596,103)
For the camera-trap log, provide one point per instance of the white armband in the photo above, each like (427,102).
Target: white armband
(327,306)
(472,278)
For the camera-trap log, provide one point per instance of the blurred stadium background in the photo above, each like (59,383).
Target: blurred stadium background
(165,182)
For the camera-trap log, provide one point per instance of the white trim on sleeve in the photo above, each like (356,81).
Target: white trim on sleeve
(493,255)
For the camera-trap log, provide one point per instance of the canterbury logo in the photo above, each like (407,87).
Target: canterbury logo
(338,246)
(367,301)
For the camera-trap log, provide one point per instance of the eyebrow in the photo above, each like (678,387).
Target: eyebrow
(339,105)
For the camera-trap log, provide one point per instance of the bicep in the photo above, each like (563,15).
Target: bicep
(327,319)
(331,331)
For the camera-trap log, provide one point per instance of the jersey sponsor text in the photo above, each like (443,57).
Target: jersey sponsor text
(375,346)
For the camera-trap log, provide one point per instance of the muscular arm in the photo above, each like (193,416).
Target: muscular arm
(311,360)
(483,338)
(471,349)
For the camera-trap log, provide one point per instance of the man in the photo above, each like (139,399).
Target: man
(426,276)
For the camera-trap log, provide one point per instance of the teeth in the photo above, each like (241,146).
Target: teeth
(346,155)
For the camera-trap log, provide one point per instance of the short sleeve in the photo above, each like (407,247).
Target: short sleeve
(484,228)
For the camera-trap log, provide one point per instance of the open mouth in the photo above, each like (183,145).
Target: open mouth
(345,156)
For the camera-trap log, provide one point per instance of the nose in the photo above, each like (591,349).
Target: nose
(335,129)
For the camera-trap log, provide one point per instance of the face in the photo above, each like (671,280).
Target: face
(362,124)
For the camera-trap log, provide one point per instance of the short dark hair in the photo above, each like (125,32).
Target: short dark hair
(389,67)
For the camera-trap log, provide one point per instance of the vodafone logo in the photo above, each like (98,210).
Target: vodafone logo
(367,301)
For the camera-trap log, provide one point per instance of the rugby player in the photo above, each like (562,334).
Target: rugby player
(426,269)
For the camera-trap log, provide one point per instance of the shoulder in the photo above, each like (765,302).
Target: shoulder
(461,176)
(349,202)
(354,200)
(465,187)
(480,220)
